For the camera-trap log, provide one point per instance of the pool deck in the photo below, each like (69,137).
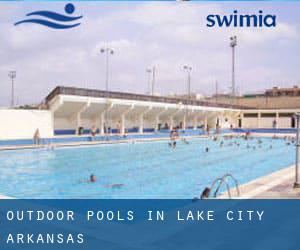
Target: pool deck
(98,142)
(277,185)
(131,140)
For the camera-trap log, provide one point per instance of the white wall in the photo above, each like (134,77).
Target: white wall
(22,124)
(284,122)
(64,123)
(266,122)
(249,122)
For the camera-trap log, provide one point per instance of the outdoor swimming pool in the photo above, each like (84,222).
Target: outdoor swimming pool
(147,170)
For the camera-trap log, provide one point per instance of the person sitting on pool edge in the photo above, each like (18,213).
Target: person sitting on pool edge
(205,193)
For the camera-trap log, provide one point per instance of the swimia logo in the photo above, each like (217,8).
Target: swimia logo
(52,19)
(242,20)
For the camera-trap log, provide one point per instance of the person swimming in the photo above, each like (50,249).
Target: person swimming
(93,178)
(185,141)
(207,149)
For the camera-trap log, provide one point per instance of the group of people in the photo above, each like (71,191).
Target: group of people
(106,130)
(174,135)
(258,143)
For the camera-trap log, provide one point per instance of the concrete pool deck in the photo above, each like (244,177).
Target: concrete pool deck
(100,142)
(130,140)
(277,185)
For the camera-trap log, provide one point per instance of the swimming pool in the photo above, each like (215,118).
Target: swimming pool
(147,170)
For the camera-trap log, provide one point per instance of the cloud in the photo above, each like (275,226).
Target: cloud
(165,35)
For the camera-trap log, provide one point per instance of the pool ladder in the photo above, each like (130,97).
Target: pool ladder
(223,180)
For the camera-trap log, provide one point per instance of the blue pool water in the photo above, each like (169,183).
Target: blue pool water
(147,170)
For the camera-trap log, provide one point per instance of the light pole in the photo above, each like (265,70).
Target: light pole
(153,72)
(188,69)
(12,75)
(233,44)
(217,91)
(149,72)
(107,51)
(297,181)
(153,79)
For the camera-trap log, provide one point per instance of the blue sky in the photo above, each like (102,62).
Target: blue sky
(167,35)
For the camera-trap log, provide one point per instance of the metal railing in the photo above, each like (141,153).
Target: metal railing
(130,96)
(220,182)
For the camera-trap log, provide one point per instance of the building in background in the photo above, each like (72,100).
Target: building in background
(276,91)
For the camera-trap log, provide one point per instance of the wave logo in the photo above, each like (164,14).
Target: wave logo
(53,20)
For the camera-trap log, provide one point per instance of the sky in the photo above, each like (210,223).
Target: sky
(144,34)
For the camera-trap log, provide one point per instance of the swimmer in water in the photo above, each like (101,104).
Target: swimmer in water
(92,178)
(174,144)
(185,141)
(248,146)
(207,149)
